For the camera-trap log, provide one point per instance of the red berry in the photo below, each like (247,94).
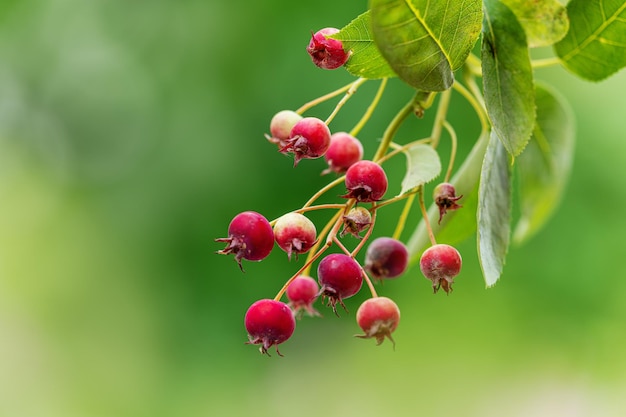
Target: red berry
(269,323)
(445,197)
(281,125)
(309,139)
(378,317)
(302,293)
(250,237)
(294,233)
(327,53)
(343,152)
(340,277)
(366,181)
(357,220)
(440,264)
(386,258)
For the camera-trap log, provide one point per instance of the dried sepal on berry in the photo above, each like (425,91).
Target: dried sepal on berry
(356,221)
(250,236)
(269,323)
(441,263)
(302,292)
(445,198)
(325,52)
(378,317)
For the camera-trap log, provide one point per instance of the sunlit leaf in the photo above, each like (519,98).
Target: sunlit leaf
(365,59)
(494,210)
(507,77)
(544,21)
(422,166)
(545,164)
(425,41)
(459,224)
(595,46)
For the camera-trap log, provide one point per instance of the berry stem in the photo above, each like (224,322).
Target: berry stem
(476,104)
(327,187)
(320,236)
(367,234)
(400,148)
(440,118)
(545,62)
(369,282)
(302,270)
(355,85)
(323,98)
(453,140)
(403,216)
(431,235)
(370,110)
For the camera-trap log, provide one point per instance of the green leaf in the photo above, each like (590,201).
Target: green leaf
(595,46)
(545,164)
(423,165)
(424,41)
(544,21)
(494,211)
(365,59)
(459,224)
(507,77)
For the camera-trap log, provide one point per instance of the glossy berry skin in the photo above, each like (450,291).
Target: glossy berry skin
(327,53)
(294,233)
(445,197)
(302,293)
(250,237)
(366,181)
(281,125)
(441,263)
(344,151)
(386,258)
(378,317)
(309,139)
(340,277)
(269,323)
(357,220)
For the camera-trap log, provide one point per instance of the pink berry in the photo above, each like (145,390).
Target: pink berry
(445,197)
(344,151)
(294,233)
(281,125)
(386,258)
(340,277)
(309,139)
(378,317)
(302,293)
(327,53)
(357,220)
(441,263)
(250,237)
(269,323)
(366,181)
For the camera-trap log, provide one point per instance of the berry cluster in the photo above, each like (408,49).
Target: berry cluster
(270,322)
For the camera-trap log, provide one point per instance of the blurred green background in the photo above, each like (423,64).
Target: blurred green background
(131,132)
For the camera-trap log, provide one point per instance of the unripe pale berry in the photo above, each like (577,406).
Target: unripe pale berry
(302,293)
(378,317)
(250,237)
(309,139)
(357,220)
(343,152)
(294,233)
(445,197)
(281,125)
(366,181)
(386,258)
(441,263)
(269,323)
(327,53)
(340,277)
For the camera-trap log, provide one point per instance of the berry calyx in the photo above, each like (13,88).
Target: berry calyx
(250,237)
(302,293)
(294,233)
(357,220)
(344,151)
(445,197)
(327,53)
(378,317)
(309,139)
(366,182)
(441,263)
(269,323)
(340,277)
(281,125)
(386,258)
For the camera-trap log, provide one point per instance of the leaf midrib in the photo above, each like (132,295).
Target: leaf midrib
(418,17)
